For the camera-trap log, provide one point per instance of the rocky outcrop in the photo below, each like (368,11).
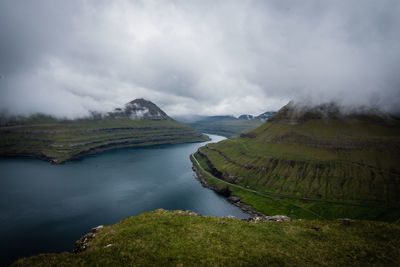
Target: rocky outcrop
(275,218)
(83,243)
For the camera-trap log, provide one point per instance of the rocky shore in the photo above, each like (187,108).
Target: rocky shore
(235,200)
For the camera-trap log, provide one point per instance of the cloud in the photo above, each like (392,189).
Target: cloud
(67,58)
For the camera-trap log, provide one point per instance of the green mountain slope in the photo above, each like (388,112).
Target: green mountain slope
(178,238)
(140,123)
(332,163)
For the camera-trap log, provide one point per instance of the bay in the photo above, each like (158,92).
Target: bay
(46,208)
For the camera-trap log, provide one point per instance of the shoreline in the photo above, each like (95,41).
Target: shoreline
(234,200)
(84,153)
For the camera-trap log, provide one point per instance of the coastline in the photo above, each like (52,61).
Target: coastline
(84,153)
(234,200)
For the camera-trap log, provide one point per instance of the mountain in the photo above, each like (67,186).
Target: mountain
(265,116)
(229,126)
(138,123)
(139,109)
(246,117)
(188,118)
(316,162)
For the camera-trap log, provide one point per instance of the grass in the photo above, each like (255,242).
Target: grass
(59,141)
(267,205)
(335,168)
(299,208)
(177,238)
(357,174)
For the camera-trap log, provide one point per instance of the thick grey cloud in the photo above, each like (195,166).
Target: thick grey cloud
(197,57)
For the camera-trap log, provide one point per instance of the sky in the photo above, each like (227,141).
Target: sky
(67,58)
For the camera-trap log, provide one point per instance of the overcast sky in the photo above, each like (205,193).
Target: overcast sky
(197,57)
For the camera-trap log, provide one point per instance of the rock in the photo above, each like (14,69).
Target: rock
(230,217)
(279,218)
(97,228)
(83,242)
(234,199)
(192,213)
(276,218)
(255,219)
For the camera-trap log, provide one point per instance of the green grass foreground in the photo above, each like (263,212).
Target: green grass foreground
(177,238)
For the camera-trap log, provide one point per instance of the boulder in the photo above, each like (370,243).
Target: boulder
(234,199)
(275,218)
(97,228)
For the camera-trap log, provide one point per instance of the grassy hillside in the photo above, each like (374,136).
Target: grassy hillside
(333,164)
(177,238)
(65,140)
(227,126)
(139,123)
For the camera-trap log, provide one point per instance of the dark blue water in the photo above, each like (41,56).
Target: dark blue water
(46,208)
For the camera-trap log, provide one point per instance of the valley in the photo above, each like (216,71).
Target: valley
(230,126)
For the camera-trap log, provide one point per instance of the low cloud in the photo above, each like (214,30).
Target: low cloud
(67,58)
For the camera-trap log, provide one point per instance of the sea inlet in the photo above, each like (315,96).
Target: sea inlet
(46,208)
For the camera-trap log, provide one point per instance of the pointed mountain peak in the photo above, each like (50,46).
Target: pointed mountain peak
(140,109)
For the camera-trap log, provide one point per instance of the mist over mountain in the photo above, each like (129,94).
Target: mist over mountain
(139,109)
(67,58)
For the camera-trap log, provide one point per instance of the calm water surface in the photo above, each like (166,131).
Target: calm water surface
(46,208)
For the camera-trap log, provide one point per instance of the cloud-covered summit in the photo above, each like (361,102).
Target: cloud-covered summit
(197,57)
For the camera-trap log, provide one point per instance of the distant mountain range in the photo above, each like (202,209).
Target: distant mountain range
(138,123)
(262,117)
(228,126)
